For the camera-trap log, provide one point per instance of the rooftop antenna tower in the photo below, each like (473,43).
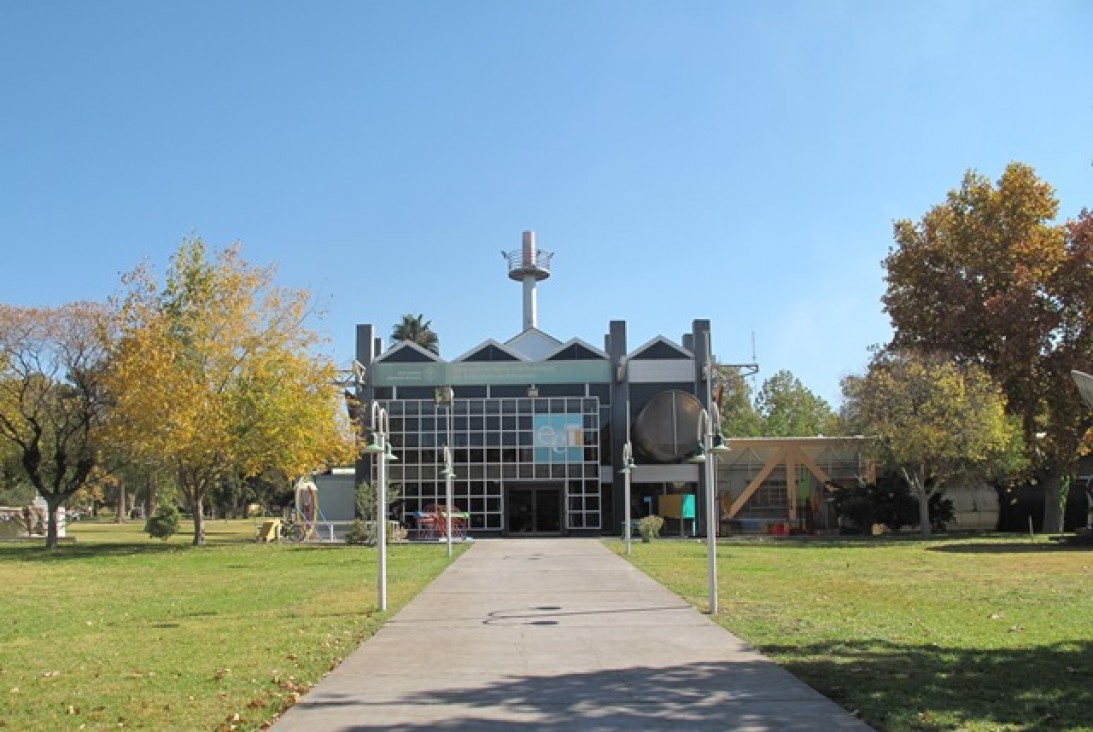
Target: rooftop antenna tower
(529,265)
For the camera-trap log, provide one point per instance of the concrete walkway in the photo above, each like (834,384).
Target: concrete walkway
(556,634)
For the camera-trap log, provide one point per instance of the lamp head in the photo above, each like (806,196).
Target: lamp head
(389,454)
(698,456)
(719,445)
(372,445)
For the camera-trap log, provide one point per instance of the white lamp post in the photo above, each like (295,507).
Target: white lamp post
(711,443)
(445,397)
(380,446)
(449,475)
(627,468)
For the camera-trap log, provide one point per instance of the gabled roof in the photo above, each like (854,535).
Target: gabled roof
(659,348)
(408,352)
(533,344)
(577,350)
(491,350)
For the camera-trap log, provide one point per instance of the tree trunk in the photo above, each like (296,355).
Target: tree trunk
(150,499)
(1053,481)
(916,480)
(199,521)
(52,530)
(120,517)
(923,511)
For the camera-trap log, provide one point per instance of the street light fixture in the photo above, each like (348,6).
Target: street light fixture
(711,444)
(380,446)
(445,397)
(627,468)
(449,474)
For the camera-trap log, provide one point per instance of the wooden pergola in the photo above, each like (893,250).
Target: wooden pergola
(789,453)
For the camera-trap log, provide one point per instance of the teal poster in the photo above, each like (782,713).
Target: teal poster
(559,438)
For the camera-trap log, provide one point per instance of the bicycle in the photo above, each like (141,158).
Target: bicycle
(291,530)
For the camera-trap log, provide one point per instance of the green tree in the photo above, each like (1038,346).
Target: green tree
(52,401)
(163,524)
(416,329)
(933,420)
(738,415)
(988,277)
(787,408)
(215,377)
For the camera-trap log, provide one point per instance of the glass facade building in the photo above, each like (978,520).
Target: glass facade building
(535,426)
(537,430)
(542,455)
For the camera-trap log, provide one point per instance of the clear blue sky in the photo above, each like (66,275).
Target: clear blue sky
(737,161)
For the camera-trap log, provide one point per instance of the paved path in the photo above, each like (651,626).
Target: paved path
(556,634)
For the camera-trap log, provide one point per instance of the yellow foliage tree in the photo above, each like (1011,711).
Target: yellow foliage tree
(933,420)
(216,375)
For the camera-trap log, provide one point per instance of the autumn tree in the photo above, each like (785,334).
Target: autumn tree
(932,420)
(52,401)
(216,376)
(416,329)
(988,277)
(789,409)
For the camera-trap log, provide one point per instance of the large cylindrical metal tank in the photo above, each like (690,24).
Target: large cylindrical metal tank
(975,508)
(666,429)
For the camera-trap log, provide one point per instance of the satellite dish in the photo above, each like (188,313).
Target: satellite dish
(1085,386)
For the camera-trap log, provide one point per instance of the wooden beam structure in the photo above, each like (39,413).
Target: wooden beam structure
(786,453)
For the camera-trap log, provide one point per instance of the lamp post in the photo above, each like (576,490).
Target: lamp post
(380,446)
(445,397)
(449,475)
(711,443)
(627,468)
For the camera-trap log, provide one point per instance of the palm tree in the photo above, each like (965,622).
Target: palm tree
(416,329)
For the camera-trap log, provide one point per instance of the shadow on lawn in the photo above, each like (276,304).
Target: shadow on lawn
(933,543)
(1012,547)
(37,552)
(891,686)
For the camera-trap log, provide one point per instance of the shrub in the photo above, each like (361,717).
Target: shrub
(164,523)
(359,534)
(365,533)
(889,502)
(367,499)
(649,527)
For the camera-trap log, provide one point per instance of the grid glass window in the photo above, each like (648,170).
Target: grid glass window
(550,440)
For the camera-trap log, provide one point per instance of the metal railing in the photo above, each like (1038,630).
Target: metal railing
(540,260)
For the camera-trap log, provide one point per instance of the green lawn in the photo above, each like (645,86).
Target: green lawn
(948,634)
(122,631)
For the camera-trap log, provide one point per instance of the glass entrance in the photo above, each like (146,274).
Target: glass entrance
(534,510)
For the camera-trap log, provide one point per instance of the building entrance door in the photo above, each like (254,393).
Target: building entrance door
(534,510)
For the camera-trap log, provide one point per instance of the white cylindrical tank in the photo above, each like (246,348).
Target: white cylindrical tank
(975,508)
